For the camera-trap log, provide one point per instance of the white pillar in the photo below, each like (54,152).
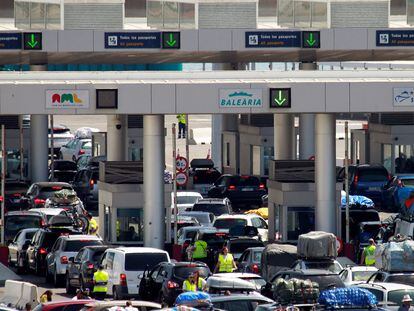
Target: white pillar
(154,162)
(325,173)
(39,148)
(306,135)
(284,136)
(216,140)
(117,129)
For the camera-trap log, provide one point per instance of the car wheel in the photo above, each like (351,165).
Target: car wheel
(69,289)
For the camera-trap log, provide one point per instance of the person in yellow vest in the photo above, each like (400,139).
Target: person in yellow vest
(93,225)
(194,283)
(368,254)
(225,262)
(100,283)
(182,124)
(46,296)
(199,251)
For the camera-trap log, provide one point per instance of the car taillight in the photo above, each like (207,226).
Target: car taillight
(81,152)
(56,188)
(17,195)
(122,279)
(389,176)
(255,268)
(1,198)
(261,186)
(231,187)
(171,285)
(38,201)
(43,251)
(356,177)
(90,266)
(63,260)
(91,183)
(42,223)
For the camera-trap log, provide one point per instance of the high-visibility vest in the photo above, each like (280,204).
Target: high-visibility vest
(226,263)
(93,226)
(369,255)
(200,250)
(43,298)
(100,278)
(181,118)
(190,287)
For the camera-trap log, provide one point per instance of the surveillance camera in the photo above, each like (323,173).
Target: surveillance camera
(118,126)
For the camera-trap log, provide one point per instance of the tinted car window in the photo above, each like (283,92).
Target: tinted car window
(16,223)
(397,295)
(247,181)
(236,305)
(187,200)
(216,209)
(324,281)
(76,245)
(184,272)
(96,256)
(47,192)
(138,262)
(403,279)
(50,238)
(29,235)
(241,246)
(228,223)
(205,176)
(372,175)
(408,182)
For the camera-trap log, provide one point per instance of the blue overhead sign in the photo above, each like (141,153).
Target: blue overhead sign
(132,40)
(395,37)
(10,41)
(273,39)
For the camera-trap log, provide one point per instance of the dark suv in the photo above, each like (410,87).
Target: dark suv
(39,192)
(40,246)
(85,183)
(165,281)
(240,190)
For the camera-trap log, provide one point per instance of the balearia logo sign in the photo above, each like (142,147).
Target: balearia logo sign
(67,99)
(240,98)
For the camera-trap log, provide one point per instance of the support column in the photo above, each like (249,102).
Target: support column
(325,173)
(39,147)
(117,129)
(307,124)
(284,136)
(154,162)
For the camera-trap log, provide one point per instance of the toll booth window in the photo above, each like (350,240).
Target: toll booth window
(300,220)
(129,226)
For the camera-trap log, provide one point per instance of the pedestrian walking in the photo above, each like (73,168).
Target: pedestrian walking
(368,254)
(225,262)
(100,281)
(199,251)
(182,126)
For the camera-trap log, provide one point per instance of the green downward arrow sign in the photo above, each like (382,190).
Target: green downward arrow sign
(280,99)
(171,42)
(311,41)
(32,43)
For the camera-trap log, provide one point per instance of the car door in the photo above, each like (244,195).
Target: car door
(261,226)
(146,285)
(242,263)
(74,268)
(51,257)
(13,246)
(30,253)
(108,265)
(219,188)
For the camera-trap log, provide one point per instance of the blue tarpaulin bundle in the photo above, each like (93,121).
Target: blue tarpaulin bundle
(193,299)
(347,297)
(356,200)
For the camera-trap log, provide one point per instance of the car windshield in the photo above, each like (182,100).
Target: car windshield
(29,235)
(141,261)
(257,256)
(324,281)
(360,276)
(16,223)
(402,279)
(76,245)
(50,239)
(373,175)
(245,181)
(47,192)
(216,209)
(202,218)
(241,246)
(408,182)
(228,223)
(397,295)
(185,271)
(205,176)
(187,199)
(331,266)
(96,256)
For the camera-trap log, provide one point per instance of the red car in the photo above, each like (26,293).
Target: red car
(67,305)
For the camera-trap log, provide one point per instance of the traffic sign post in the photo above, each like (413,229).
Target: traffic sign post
(311,39)
(181,164)
(171,40)
(32,41)
(280,98)
(181,179)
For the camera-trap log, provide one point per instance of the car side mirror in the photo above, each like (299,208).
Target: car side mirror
(71,259)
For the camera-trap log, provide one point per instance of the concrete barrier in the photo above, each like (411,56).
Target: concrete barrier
(12,292)
(29,295)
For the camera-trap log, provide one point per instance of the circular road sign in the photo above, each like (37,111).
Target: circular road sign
(181,178)
(181,164)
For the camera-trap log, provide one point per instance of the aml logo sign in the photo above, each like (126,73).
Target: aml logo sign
(240,98)
(67,99)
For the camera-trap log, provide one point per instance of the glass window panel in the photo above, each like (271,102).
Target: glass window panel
(302,14)
(154,14)
(267,8)
(171,15)
(285,13)
(319,15)
(410,12)
(37,15)
(53,16)
(130,224)
(22,17)
(187,16)
(300,220)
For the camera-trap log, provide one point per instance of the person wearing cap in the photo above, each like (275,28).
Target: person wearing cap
(406,304)
(368,254)
(225,262)
(194,283)
(100,281)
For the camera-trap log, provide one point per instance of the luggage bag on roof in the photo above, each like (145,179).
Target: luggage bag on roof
(347,297)
(277,257)
(396,256)
(317,244)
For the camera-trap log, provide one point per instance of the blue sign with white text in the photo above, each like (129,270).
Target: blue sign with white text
(132,40)
(273,39)
(10,41)
(395,38)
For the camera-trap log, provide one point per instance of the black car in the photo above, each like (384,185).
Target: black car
(165,281)
(39,192)
(325,279)
(240,190)
(14,190)
(80,270)
(40,246)
(19,220)
(63,171)
(85,184)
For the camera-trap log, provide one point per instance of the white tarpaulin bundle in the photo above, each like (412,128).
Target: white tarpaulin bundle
(317,244)
(85,132)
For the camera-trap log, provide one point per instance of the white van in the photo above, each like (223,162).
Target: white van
(125,266)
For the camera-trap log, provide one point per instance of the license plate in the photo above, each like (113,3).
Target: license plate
(247,189)
(374,188)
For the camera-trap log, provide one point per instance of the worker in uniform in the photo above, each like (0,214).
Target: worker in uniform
(182,124)
(93,225)
(225,263)
(194,283)
(100,281)
(199,251)
(368,254)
